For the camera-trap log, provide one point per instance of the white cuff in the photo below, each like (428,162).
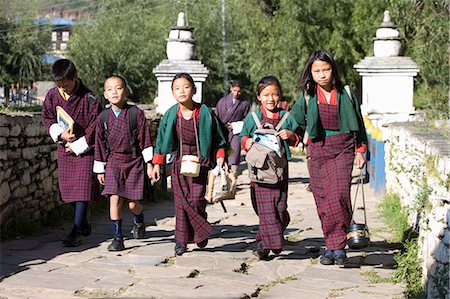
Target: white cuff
(55,130)
(99,167)
(79,146)
(147,153)
(237,127)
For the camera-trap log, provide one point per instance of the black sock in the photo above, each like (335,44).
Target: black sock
(80,214)
(117,229)
(138,218)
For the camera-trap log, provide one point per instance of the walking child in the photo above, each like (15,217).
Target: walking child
(77,185)
(270,200)
(189,128)
(120,158)
(333,120)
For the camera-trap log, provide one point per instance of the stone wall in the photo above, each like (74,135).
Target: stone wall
(418,169)
(28,176)
(28,164)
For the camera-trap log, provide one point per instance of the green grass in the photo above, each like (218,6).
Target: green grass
(394,216)
(20,108)
(409,266)
(409,269)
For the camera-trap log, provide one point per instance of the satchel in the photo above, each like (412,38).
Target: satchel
(190,164)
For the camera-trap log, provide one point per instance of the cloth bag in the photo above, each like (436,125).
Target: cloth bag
(358,236)
(221,185)
(190,164)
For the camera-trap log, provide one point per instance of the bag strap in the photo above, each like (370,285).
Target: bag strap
(196,138)
(306,135)
(132,114)
(280,123)
(104,116)
(256,119)
(282,120)
(347,89)
(360,183)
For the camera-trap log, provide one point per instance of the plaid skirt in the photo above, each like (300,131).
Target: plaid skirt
(191,225)
(330,170)
(270,204)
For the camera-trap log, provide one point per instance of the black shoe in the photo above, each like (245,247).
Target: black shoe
(116,245)
(327,258)
(87,231)
(138,230)
(180,249)
(340,258)
(202,244)
(73,239)
(277,251)
(263,254)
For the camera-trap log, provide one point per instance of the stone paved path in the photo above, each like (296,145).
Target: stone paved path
(39,267)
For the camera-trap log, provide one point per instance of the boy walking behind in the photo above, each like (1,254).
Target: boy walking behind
(120,157)
(77,185)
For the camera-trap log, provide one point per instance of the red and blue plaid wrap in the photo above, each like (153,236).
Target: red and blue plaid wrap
(189,192)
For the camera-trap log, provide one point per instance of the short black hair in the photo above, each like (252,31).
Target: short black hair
(63,69)
(120,78)
(237,83)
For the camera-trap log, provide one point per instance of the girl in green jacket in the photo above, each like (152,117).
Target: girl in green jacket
(331,116)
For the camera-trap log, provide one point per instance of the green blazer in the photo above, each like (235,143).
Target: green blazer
(250,127)
(350,118)
(210,134)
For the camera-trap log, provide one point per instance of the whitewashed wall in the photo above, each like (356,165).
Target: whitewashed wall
(418,159)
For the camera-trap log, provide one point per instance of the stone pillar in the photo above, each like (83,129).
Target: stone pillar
(387,78)
(180,54)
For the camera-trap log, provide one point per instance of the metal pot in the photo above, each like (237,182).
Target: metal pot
(358,236)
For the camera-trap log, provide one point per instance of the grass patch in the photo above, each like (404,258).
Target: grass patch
(20,108)
(170,261)
(373,277)
(409,270)
(409,266)
(394,216)
(293,239)
(194,273)
(281,280)
(243,269)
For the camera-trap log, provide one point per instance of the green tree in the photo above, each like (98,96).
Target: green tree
(126,38)
(22,44)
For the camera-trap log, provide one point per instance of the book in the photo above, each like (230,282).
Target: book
(268,140)
(65,121)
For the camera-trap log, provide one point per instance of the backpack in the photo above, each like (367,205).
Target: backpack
(266,159)
(132,113)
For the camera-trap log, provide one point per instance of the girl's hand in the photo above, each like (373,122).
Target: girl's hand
(101,178)
(156,173)
(285,134)
(67,137)
(220,162)
(150,170)
(248,144)
(68,148)
(360,161)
